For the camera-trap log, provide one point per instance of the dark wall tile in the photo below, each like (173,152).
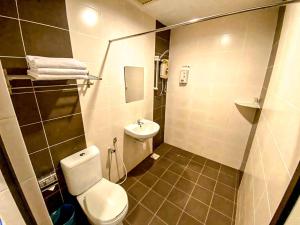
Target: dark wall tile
(58,103)
(62,129)
(15,66)
(51,12)
(10,38)
(8,8)
(26,108)
(41,162)
(164,34)
(65,149)
(34,137)
(161,45)
(46,41)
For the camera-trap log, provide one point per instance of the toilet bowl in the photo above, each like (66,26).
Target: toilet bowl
(103,202)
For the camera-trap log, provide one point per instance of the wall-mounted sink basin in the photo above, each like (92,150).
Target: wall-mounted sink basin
(142,129)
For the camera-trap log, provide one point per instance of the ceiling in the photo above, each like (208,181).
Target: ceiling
(173,11)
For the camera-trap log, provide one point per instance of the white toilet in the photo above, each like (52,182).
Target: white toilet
(104,202)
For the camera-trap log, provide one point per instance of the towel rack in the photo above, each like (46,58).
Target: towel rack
(9,78)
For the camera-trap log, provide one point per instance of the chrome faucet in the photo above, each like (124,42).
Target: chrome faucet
(139,122)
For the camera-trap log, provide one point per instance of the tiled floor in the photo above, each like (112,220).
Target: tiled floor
(181,188)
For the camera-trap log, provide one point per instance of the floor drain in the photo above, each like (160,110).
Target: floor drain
(155,156)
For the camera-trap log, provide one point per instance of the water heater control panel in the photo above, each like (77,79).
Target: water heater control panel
(184,75)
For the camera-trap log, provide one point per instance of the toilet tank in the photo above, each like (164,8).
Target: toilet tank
(82,170)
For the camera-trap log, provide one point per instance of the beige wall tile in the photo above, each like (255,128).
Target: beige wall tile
(228,59)
(15,147)
(275,151)
(35,201)
(104,110)
(6,107)
(8,209)
(3,184)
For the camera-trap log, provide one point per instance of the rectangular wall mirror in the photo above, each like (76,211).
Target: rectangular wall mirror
(134,83)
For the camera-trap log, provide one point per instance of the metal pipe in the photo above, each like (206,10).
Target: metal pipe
(156,60)
(202,19)
(51,86)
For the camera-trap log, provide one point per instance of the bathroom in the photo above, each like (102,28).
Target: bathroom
(188,112)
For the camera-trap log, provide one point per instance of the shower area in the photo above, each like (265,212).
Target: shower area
(220,80)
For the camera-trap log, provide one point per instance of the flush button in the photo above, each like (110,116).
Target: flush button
(82,154)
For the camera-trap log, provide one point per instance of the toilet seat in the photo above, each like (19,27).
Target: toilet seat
(104,203)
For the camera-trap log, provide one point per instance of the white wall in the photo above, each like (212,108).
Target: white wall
(275,153)
(228,59)
(104,110)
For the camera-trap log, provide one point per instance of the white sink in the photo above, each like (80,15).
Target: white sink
(146,129)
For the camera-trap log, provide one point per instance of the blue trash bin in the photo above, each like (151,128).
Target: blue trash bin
(65,215)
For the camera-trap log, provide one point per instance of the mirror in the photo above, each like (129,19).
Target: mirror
(134,83)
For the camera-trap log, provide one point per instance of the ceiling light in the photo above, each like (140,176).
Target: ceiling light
(89,16)
(225,39)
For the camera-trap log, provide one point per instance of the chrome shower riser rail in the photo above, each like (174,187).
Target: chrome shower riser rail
(202,19)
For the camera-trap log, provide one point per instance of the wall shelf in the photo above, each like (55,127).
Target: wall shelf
(249,104)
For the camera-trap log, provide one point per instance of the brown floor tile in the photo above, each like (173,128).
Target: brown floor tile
(188,220)
(223,205)
(195,166)
(172,169)
(182,160)
(148,179)
(202,194)
(163,162)
(178,197)
(171,155)
(190,175)
(210,172)
(229,171)
(185,185)
(213,164)
(215,218)
(199,159)
(152,201)
(162,188)
(157,221)
(197,209)
(162,149)
(176,168)
(128,183)
(138,191)
(131,203)
(225,191)
(139,216)
(137,173)
(157,170)
(206,182)
(170,177)
(228,180)
(169,213)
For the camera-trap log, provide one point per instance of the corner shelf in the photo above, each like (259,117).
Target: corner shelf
(249,104)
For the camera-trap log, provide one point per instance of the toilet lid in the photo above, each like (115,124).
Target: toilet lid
(106,200)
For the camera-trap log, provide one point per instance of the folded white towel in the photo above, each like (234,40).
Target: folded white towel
(47,62)
(54,71)
(55,77)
